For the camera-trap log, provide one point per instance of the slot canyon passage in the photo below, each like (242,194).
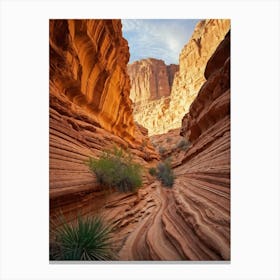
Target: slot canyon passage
(100,101)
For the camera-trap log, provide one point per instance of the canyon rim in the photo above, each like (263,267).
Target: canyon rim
(139,151)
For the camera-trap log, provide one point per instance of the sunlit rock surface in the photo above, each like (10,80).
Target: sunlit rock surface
(90,109)
(162,114)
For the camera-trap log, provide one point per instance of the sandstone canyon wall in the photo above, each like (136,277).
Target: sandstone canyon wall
(88,61)
(159,117)
(151,83)
(90,109)
(190,221)
(151,79)
(203,185)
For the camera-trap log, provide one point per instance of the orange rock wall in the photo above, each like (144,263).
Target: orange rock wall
(90,109)
(204,172)
(88,61)
(151,83)
(191,220)
(193,59)
(150,79)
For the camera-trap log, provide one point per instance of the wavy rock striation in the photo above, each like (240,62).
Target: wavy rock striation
(191,221)
(90,109)
(88,61)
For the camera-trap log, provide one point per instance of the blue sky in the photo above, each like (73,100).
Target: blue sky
(157,38)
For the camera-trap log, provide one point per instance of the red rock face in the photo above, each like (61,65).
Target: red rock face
(90,109)
(151,83)
(88,61)
(204,182)
(150,79)
(190,221)
(212,102)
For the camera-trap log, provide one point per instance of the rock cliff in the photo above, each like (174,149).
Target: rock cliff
(90,109)
(159,117)
(150,79)
(88,61)
(191,221)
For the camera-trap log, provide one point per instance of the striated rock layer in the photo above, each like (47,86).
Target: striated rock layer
(88,61)
(191,221)
(158,116)
(151,83)
(150,79)
(90,109)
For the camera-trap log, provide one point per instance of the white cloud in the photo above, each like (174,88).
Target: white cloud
(161,39)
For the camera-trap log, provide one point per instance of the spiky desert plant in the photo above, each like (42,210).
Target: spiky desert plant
(85,239)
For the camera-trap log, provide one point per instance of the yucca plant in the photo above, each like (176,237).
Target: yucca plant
(85,239)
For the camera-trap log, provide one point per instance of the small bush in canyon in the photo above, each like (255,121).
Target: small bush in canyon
(161,150)
(84,239)
(153,171)
(183,145)
(164,173)
(116,169)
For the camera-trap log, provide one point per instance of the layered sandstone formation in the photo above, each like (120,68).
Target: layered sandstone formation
(88,61)
(90,109)
(159,118)
(151,79)
(151,83)
(191,221)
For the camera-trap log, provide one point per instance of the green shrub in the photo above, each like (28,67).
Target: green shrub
(117,170)
(85,239)
(183,145)
(165,173)
(161,150)
(153,171)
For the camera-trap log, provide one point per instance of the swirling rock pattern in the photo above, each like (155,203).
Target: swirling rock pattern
(190,221)
(90,109)
(88,60)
